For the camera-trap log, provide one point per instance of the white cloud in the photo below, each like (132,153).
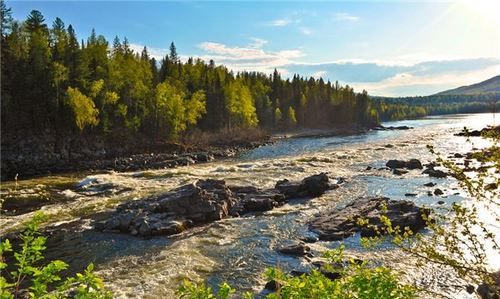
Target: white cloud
(251,57)
(305,31)
(319,74)
(156,53)
(343,16)
(280,22)
(407,84)
(258,42)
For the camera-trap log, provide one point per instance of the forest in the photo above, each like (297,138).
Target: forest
(415,107)
(54,82)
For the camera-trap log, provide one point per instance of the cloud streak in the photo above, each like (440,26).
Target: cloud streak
(280,22)
(343,16)
(251,57)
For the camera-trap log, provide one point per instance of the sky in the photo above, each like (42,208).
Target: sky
(389,48)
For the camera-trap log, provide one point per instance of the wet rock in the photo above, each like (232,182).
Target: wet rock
(440,202)
(297,249)
(396,164)
(339,224)
(203,157)
(185,161)
(170,213)
(414,164)
(477,133)
(310,239)
(259,204)
(382,128)
(490,291)
(204,201)
(271,285)
(491,187)
(410,164)
(316,185)
(144,229)
(438,192)
(430,184)
(435,173)
(399,171)
(470,289)
(313,186)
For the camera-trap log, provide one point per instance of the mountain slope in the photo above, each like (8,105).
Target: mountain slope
(491,85)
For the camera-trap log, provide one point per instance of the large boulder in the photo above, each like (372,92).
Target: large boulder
(202,201)
(171,212)
(410,164)
(312,186)
(296,249)
(340,224)
(435,173)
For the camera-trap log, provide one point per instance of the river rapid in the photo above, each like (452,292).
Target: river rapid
(237,250)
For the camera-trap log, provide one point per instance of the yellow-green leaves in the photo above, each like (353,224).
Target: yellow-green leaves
(175,110)
(83,108)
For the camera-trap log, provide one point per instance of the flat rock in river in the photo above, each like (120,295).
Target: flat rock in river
(204,201)
(340,224)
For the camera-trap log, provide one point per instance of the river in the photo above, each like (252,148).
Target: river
(237,250)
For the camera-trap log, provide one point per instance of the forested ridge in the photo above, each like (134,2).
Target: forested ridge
(54,82)
(420,106)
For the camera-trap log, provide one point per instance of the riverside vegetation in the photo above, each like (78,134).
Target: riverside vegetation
(66,91)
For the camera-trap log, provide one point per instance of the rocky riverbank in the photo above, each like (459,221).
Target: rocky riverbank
(29,157)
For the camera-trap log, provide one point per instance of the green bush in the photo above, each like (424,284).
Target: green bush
(356,280)
(29,279)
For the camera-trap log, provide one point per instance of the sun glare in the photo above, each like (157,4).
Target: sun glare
(488,10)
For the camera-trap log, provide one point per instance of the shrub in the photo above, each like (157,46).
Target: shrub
(29,279)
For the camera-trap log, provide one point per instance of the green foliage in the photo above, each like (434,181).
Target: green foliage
(292,120)
(190,290)
(43,281)
(83,108)
(39,64)
(356,280)
(415,107)
(175,111)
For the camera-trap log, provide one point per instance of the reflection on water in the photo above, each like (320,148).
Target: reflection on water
(237,250)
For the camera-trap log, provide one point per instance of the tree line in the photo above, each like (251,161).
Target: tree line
(415,107)
(53,82)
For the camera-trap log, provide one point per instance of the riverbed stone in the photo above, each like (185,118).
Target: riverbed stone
(312,186)
(339,224)
(296,249)
(410,164)
(435,173)
(438,191)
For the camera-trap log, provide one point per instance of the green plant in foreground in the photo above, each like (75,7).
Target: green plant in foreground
(355,280)
(29,279)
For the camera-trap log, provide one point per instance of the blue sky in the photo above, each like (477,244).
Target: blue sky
(389,48)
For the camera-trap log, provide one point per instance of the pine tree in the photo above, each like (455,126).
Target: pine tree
(173,53)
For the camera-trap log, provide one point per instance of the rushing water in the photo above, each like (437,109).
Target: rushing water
(237,250)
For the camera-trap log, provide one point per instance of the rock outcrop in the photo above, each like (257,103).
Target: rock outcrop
(205,201)
(340,224)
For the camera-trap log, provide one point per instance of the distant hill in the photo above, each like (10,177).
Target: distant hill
(491,85)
